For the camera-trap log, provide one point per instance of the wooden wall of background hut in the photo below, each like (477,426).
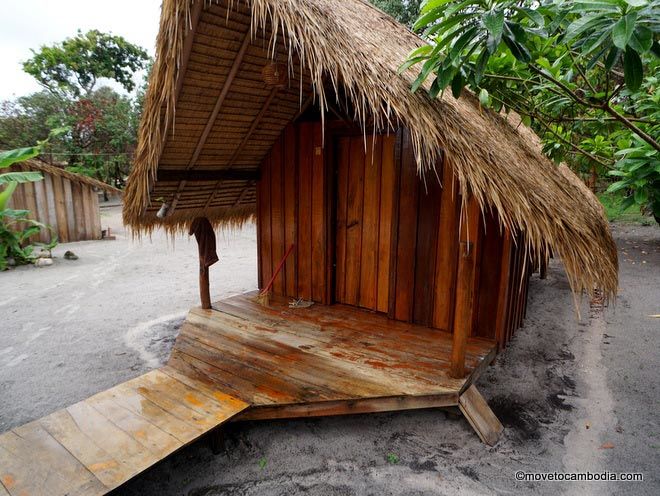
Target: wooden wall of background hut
(393,238)
(70,208)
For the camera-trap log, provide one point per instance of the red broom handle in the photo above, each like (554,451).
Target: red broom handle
(278,269)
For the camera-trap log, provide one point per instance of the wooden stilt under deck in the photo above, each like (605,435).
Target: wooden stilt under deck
(239,361)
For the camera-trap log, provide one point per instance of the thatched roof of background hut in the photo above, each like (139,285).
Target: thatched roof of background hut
(208,109)
(38,165)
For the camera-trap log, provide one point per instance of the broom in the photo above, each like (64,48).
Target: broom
(263,298)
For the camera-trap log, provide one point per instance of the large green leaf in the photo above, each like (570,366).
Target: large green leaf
(641,39)
(10,157)
(429,5)
(20,177)
(633,71)
(494,22)
(5,195)
(623,30)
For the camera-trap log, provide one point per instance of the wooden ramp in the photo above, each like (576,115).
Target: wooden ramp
(243,361)
(98,444)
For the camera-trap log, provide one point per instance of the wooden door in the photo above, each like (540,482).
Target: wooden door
(365,192)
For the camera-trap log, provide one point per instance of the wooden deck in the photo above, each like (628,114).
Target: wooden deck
(240,361)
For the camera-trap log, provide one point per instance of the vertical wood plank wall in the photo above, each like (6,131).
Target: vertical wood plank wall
(394,238)
(292,196)
(70,208)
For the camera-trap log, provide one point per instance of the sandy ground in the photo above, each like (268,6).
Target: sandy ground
(573,395)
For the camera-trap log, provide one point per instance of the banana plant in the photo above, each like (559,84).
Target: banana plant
(15,227)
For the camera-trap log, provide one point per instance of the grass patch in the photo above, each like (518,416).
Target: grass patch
(616,213)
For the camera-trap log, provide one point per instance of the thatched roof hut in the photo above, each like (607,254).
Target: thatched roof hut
(210,119)
(38,165)
(66,202)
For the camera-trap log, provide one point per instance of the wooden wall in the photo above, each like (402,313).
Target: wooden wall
(291,202)
(393,237)
(70,208)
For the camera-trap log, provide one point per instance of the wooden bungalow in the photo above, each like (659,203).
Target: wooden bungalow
(411,223)
(66,202)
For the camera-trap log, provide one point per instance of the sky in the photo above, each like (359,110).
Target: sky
(29,24)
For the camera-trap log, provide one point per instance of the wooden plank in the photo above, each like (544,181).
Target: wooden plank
(225,376)
(503,291)
(89,211)
(70,215)
(343,167)
(112,439)
(428,216)
(394,237)
(33,462)
(96,218)
(277,214)
(385,223)
(41,211)
(515,278)
(105,467)
(370,334)
(127,397)
(265,241)
(447,251)
(358,406)
(78,212)
(382,367)
(328,376)
(319,209)
(60,209)
(354,211)
(290,173)
(50,203)
(100,443)
(465,287)
(407,238)
(305,164)
(31,204)
(480,416)
(368,289)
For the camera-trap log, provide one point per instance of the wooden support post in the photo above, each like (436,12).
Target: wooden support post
(480,416)
(465,288)
(543,269)
(205,237)
(204,286)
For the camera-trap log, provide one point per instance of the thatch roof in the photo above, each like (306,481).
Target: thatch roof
(38,165)
(209,120)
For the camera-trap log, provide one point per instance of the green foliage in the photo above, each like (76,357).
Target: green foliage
(102,123)
(392,459)
(15,226)
(102,130)
(74,66)
(404,11)
(616,211)
(582,73)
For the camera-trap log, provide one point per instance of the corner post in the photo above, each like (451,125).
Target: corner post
(465,287)
(203,230)
(204,285)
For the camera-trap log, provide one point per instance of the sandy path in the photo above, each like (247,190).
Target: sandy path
(80,327)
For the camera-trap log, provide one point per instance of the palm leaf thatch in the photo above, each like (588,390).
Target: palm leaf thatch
(38,165)
(352,48)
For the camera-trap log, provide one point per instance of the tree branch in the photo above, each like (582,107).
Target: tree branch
(605,107)
(577,148)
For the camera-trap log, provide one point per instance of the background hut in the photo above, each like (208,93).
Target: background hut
(67,202)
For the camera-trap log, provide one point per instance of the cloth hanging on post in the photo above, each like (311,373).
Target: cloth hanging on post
(203,230)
